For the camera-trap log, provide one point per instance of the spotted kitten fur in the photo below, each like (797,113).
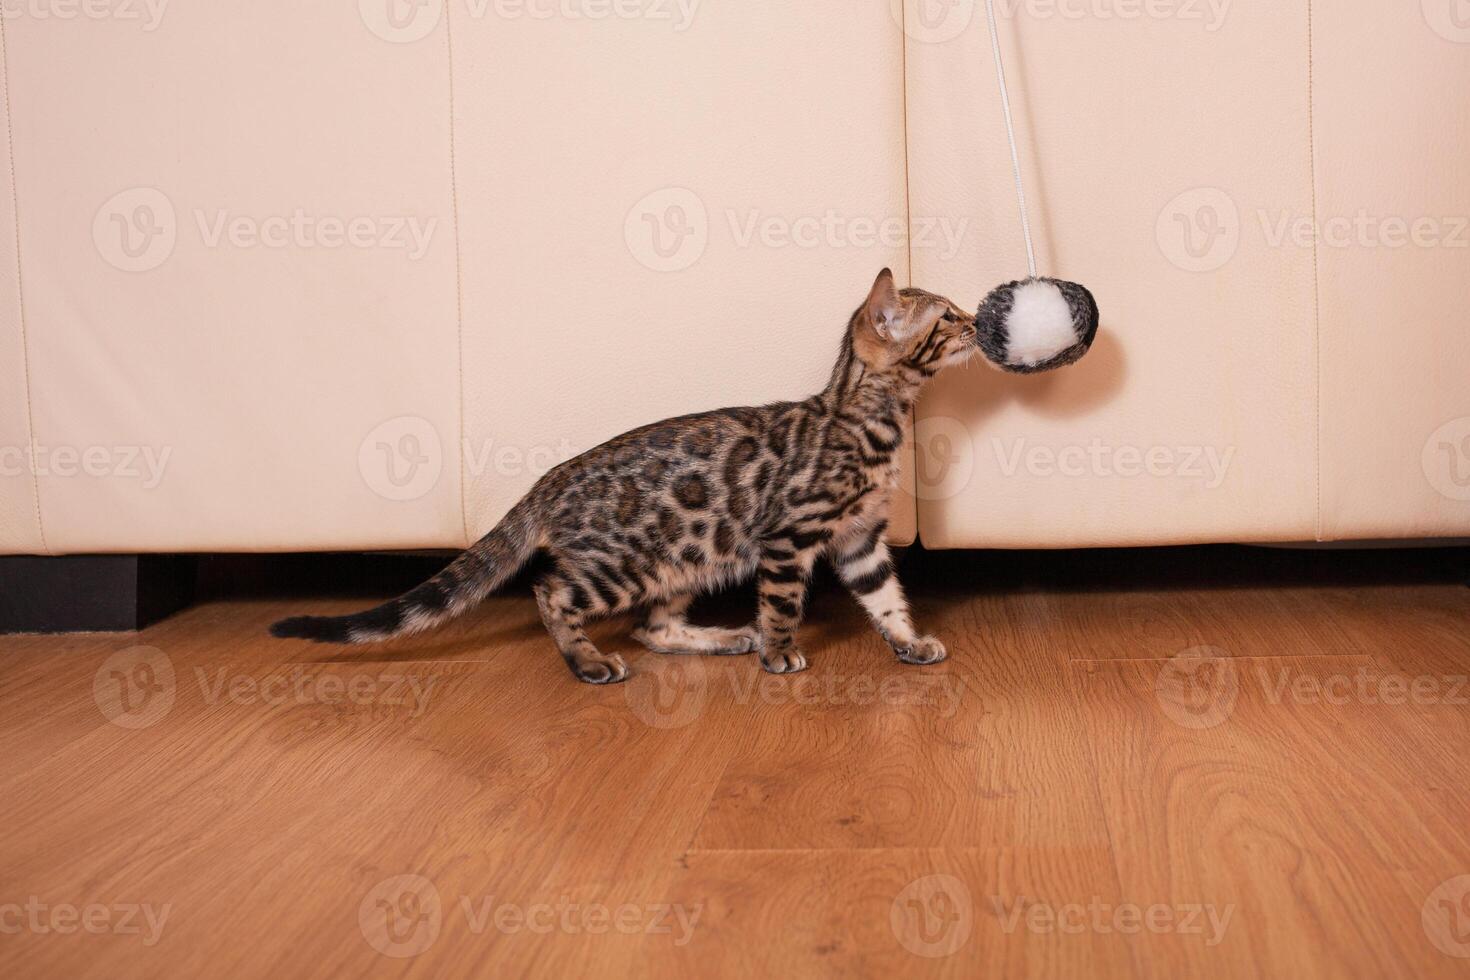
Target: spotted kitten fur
(661,513)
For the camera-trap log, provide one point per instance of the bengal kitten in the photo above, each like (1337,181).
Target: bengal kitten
(661,513)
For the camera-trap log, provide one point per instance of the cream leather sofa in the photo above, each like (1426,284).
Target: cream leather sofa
(293,276)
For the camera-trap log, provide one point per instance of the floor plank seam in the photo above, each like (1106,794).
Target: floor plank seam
(1094,661)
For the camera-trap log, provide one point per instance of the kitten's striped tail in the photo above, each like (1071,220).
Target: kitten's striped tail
(488,564)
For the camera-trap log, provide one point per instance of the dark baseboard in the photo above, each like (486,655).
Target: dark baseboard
(110,593)
(92,593)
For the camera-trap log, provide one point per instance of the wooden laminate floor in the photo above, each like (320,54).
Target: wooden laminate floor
(1214,764)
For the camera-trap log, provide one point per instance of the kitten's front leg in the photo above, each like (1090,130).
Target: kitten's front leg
(781,582)
(866,568)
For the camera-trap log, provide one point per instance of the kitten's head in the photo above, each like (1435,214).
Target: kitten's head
(910,327)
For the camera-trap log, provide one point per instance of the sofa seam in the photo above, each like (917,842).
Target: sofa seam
(1316,270)
(464,516)
(20,298)
(908,238)
(908,198)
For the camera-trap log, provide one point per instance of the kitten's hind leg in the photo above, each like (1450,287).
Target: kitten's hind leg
(558,600)
(667,630)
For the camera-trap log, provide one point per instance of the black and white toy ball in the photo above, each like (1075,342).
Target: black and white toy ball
(1036,324)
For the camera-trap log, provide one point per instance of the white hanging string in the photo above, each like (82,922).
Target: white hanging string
(1005,103)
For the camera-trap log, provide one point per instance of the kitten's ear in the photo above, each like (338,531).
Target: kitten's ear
(883,309)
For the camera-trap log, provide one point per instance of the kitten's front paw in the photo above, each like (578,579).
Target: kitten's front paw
(924,650)
(611,669)
(787,661)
